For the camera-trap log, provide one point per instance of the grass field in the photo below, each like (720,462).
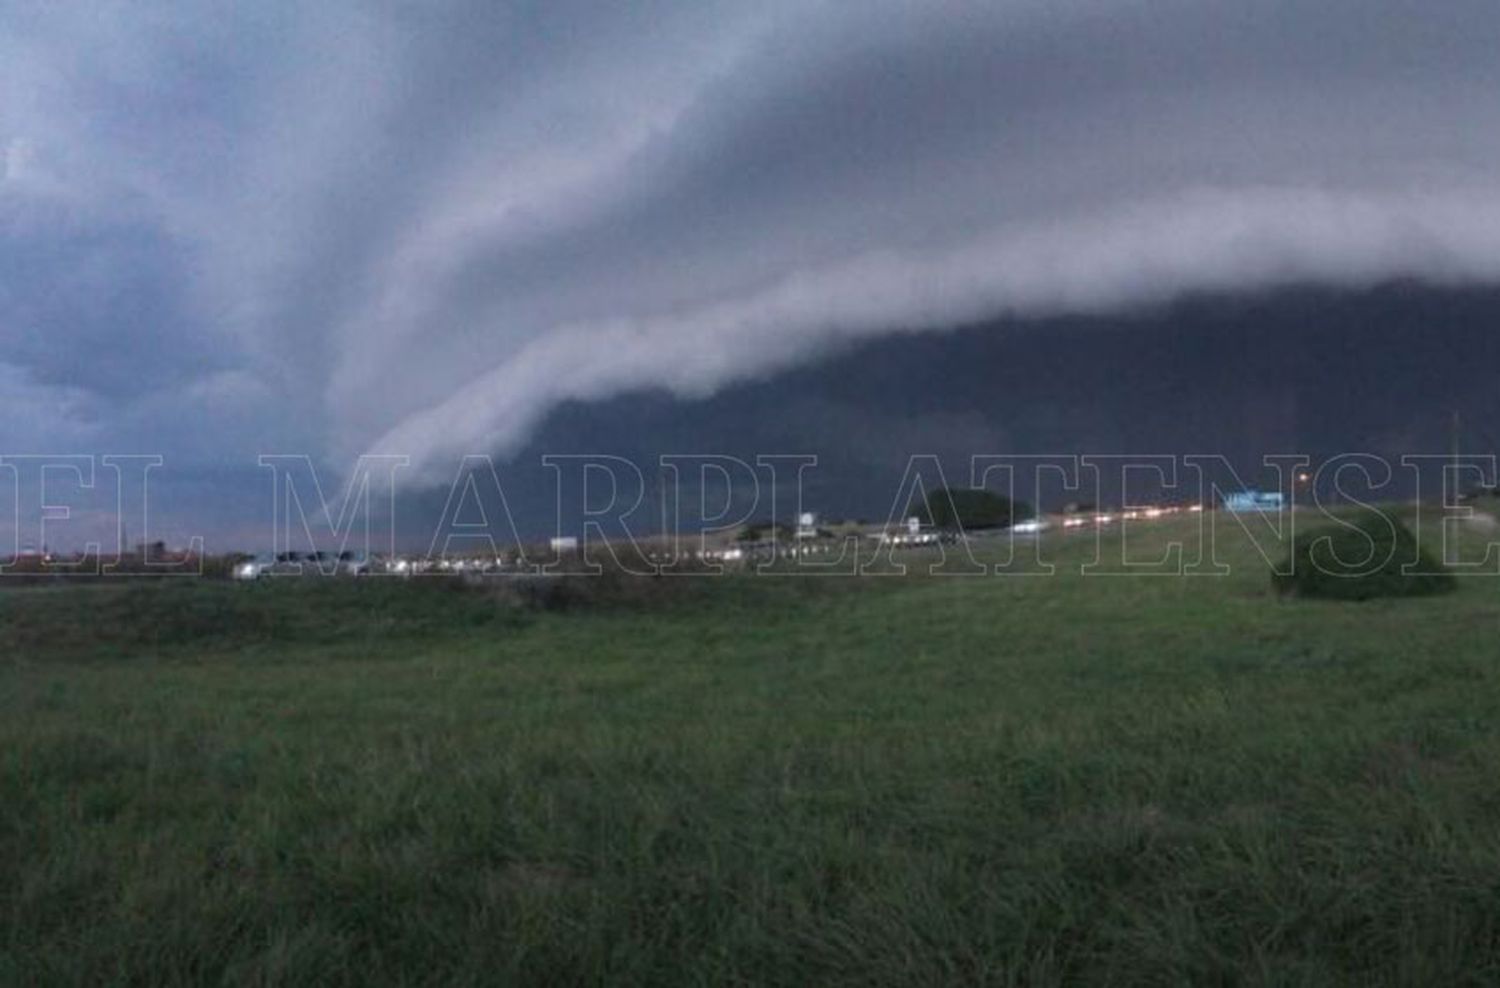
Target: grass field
(751,780)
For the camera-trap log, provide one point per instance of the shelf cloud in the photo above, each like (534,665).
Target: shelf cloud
(391,227)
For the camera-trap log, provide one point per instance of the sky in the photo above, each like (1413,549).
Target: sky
(452,228)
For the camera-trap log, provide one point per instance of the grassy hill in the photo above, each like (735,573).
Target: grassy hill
(1038,780)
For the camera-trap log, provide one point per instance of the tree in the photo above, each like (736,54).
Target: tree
(760,531)
(973,509)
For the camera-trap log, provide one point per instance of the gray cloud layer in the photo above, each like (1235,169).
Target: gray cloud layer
(397,227)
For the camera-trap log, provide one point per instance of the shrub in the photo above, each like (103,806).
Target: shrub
(1371,555)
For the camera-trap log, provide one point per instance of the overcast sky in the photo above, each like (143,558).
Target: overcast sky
(402,227)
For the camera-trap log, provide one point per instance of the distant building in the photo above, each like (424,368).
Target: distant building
(807,525)
(1254,500)
(563,544)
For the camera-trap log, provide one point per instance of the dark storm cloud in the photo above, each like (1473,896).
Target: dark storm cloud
(419,228)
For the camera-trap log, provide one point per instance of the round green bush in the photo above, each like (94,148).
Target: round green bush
(1360,558)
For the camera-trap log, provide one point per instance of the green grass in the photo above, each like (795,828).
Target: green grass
(754,780)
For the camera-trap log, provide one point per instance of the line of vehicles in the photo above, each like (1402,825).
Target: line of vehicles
(912,534)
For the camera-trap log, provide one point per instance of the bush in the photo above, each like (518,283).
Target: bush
(1372,555)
